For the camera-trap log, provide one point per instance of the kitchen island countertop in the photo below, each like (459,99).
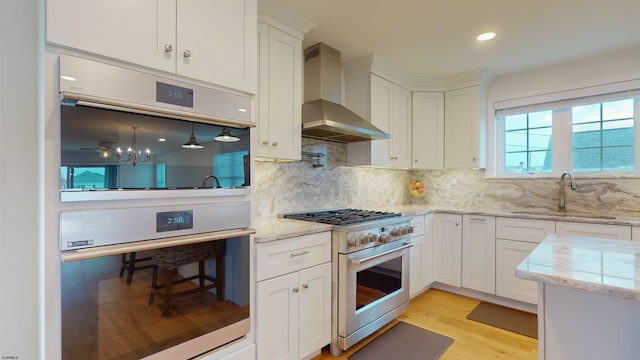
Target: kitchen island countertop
(604,266)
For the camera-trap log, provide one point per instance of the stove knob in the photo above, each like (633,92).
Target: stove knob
(384,238)
(409,229)
(396,232)
(363,239)
(372,237)
(352,242)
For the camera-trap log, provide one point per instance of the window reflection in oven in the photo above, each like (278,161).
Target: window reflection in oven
(378,281)
(104,316)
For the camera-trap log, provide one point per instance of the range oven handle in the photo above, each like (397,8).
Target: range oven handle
(358,261)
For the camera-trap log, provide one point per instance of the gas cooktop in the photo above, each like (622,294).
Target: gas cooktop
(342,216)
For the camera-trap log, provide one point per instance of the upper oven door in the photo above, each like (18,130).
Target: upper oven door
(372,283)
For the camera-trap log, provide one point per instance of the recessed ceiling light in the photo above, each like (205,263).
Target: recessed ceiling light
(486,36)
(242,110)
(162,139)
(67,77)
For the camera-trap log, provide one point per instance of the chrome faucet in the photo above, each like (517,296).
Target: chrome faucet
(204,182)
(561,200)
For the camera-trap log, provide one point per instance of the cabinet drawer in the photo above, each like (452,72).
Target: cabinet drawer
(524,229)
(418,225)
(606,231)
(280,257)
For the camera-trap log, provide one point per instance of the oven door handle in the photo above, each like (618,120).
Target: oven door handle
(358,261)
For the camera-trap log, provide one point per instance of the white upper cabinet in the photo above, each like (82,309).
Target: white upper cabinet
(464,128)
(209,40)
(388,107)
(428,130)
(279,94)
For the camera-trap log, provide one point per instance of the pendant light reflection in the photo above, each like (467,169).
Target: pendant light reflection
(226,136)
(192,143)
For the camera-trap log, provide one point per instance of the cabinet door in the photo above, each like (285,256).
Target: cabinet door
(216,42)
(277,318)
(132,31)
(381,95)
(285,95)
(447,249)
(427,251)
(315,309)
(415,265)
(509,254)
(428,130)
(262,99)
(400,128)
(479,253)
(462,128)
(618,232)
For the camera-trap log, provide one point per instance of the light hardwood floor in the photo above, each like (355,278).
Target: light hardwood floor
(445,313)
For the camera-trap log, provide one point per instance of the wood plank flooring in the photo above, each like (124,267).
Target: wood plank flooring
(445,313)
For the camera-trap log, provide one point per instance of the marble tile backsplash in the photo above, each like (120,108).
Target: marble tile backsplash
(282,187)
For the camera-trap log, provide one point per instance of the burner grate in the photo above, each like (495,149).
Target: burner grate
(342,216)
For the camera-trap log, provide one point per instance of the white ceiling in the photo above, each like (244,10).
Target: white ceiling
(434,38)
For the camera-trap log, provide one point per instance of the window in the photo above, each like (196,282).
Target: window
(229,168)
(88,177)
(592,135)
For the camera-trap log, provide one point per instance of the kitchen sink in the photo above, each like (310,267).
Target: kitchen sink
(563,214)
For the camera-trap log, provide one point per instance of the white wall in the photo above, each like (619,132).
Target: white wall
(21,177)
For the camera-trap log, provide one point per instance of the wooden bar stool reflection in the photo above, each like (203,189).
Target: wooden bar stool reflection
(131,264)
(169,259)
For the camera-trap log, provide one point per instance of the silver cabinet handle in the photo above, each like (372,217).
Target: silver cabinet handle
(275,143)
(168,48)
(305,286)
(364,260)
(476,219)
(295,290)
(265,142)
(303,252)
(187,53)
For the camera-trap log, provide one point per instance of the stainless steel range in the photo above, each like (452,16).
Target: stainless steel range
(370,270)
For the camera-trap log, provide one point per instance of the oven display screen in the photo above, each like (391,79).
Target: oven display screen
(174,220)
(172,94)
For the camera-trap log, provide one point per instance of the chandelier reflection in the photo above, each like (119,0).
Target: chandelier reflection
(134,155)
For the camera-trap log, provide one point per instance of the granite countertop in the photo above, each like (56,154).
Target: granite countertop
(598,265)
(280,228)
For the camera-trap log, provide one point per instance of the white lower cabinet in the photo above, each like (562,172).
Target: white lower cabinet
(293,318)
(606,231)
(421,261)
(246,353)
(447,249)
(515,239)
(478,253)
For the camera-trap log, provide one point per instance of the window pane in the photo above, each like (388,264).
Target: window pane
(585,113)
(585,136)
(88,178)
(620,109)
(515,162)
(540,119)
(618,158)
(586,159)
(540,139)
(540,161)
(515,141)
(515,122)
(615,133)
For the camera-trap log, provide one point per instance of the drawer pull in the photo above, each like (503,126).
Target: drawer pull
(304,252)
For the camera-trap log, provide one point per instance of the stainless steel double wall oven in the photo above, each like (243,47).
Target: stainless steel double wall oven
(154,215)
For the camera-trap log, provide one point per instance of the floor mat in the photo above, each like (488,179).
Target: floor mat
(404,341)
(513,320)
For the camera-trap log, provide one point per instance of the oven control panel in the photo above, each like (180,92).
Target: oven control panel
(360,239)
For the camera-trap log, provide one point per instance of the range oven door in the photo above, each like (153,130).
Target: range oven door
(372,283)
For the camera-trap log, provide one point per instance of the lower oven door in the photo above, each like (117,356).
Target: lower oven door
(372,283)
(110,310)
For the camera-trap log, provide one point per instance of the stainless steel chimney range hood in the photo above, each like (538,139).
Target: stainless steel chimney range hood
(323,117)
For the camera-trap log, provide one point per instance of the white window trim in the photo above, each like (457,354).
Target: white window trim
(560,163)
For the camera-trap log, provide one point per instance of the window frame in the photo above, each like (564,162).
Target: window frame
(561,130)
